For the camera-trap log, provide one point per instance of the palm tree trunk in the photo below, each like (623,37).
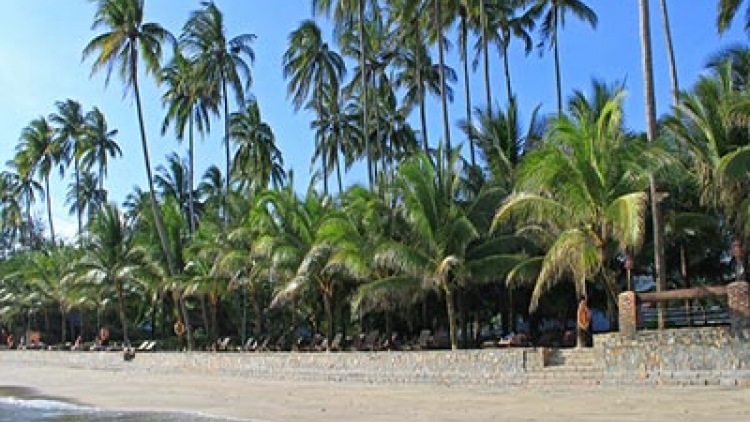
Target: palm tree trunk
(648,76)
(63,325)
(467,93)
(186,320)
(441,71)
(670,54)
(420,90)
(327,299)
(121,310)
(191,176)
(49,210)
(147,161)
(79,208)
(323,165)
(338,174)
(258,314)
(558,81)
(213,304)
(226,148)
(486,56)
(363,87)
(506,66)
(450,307)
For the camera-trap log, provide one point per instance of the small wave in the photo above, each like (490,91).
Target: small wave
(44,404)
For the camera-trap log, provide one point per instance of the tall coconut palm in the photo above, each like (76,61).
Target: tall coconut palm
(337,132)
(87,197)
(670,53)
(586,184)
(507,20)
(257,160)
(70,123)
(650,110)
(126,38)
(190,102)
(99,146)
(344,16)
(43,154)
(310,65)
(553,13)
(727,10)
(222,62)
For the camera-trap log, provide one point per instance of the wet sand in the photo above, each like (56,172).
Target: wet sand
(249,399)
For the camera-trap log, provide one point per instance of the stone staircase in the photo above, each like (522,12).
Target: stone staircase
(569,367)
(585,368)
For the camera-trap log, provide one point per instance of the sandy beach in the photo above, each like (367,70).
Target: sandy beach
(249,399)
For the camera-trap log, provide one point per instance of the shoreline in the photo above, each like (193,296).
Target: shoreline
(259,400)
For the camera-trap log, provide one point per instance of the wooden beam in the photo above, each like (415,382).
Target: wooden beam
(683,294)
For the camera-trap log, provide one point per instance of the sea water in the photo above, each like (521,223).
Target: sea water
(18,405)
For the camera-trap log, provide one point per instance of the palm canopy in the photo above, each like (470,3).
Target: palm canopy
(125,37)
(440,245)
(220,60)
(257,160)
(586,183)
(727,11)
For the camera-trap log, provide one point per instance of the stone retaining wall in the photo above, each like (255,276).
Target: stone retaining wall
(472,367)
(693,349)
(700,356)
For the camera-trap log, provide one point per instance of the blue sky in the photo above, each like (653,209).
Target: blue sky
(41,43)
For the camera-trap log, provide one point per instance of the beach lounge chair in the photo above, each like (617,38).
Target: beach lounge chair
(223,344)
(336,343)
(264,345)
(372,341)
(423,341)
(248,346)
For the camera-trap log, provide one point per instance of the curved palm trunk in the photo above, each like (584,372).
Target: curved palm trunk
(650,106)
(49,210)
(147,161)
(558,79)
(363,81)
(486,56)
(323,165)
(185,320)
(441,58)
(670,54)
(467,93)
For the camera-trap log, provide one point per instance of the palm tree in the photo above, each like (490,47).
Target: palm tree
(433,247)
(585,185)
(257,160)
(112,259)
(670,53)
(337,133)
(344,17)
(43,154)
(508,21)
(70,124)
(87,197)
(311,66)
(554,12)
(221,61)
(125,38)
(650,109)
(189,103)
(727,10)
(99,146)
